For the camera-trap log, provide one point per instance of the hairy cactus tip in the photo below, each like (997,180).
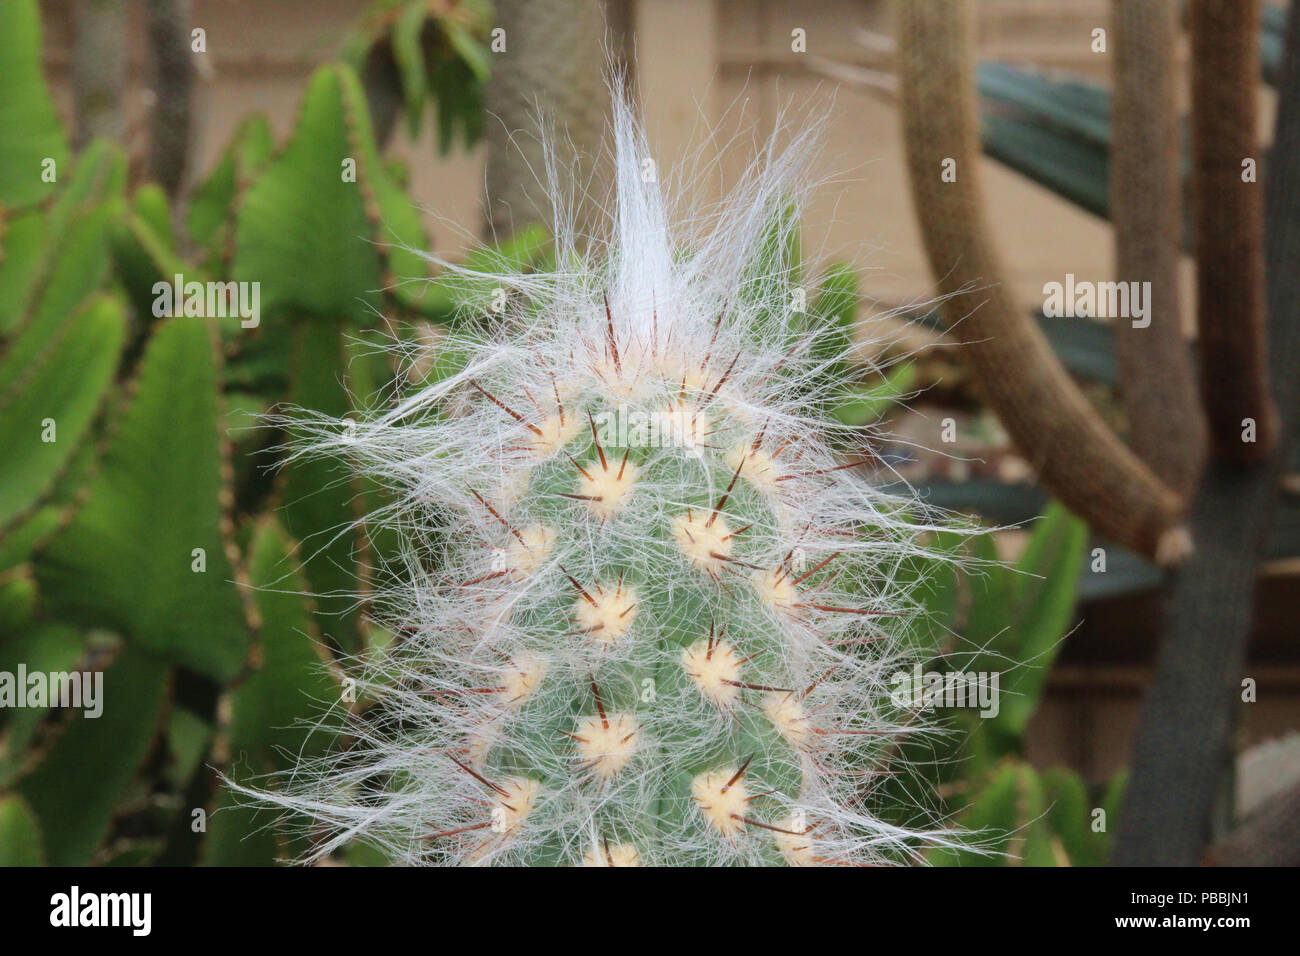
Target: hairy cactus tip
(646,608)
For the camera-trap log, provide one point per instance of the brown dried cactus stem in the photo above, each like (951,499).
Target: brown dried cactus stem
(1077,457)
(1157,378)
(1229,228)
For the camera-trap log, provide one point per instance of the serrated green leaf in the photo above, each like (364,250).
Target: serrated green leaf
(126,560)
(525,250)
(98,175)
(17,544)
(399,234)
(1044,603)
(76,788)
(20,834)
(1036,843)
(188,738)
(866,404)
(73,268)
(1005,823)
(776,269)
(49,646)
(290,687)
(303,231)
(30,131)
(932,583)
(271,711)
(22,245)
(1070,813)
(241,835)
(301,228)
(17,599)
(317,494)
(29,533)
(991,590)
(1112,802)
(369,379)
(143,260)
(46,648)
(990,820)
(832,317)
(57,396)
(150,204)
(211,215)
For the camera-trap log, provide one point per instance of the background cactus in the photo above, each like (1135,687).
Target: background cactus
(646,614)
(135,503)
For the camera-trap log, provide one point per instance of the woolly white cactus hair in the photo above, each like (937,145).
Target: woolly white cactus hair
(646,613)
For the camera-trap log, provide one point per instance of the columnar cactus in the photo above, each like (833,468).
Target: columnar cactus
(647,614)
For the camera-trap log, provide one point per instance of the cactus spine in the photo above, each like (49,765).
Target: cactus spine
(646,614)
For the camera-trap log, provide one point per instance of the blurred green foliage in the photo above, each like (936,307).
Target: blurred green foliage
(427,58)
(985,616)
(146,529)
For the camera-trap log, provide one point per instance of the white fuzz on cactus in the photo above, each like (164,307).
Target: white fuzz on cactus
(647,614)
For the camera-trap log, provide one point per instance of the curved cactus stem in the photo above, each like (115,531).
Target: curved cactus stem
(1076,455)
(1228,208)
(1157,379)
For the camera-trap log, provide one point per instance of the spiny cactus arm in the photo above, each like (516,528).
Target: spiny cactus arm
(1229,219)
(647,612)
(1157,380)
(645,653)
(1076,455)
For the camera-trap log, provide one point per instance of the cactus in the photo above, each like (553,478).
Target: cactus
(646,614)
